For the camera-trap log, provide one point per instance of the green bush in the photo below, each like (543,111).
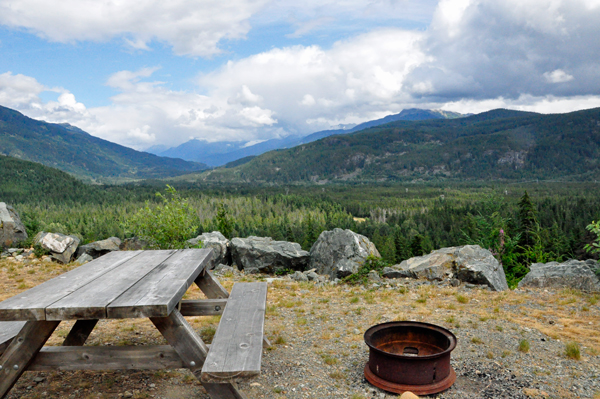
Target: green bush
(167,225)
(371,263)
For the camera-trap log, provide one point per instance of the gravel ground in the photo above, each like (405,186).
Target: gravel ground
(318,350)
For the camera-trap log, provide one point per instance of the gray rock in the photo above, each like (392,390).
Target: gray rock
(84,258)
(12,231)
(251,270)
(299,276)
(268,255)
(134,244)
(469,263)
(339,253)
(373,276)
(570,274)
(431,267)
(478,266)
(98,248)
(312,276)
(61,247)
(217,242)
(222,269)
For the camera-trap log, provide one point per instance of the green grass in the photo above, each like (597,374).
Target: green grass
(524,346)
(572,350)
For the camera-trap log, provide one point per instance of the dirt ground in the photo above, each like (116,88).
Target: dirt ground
(514,344)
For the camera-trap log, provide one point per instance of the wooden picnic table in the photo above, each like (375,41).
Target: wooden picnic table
(137,284)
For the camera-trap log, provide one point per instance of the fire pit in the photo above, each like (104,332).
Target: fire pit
(410,356)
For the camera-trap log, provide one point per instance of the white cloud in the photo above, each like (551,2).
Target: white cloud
(557,76)
(191,27)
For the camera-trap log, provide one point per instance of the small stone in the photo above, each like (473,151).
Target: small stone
(408,395)
(152,385)
(455,282)
(39,379)
(128,394)
(356,331)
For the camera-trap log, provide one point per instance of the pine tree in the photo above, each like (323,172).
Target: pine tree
(528,222)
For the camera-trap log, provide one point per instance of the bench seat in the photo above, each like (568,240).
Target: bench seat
(8,330)
(236,349)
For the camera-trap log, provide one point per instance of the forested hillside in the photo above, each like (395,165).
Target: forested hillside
(497,145)
(72,150)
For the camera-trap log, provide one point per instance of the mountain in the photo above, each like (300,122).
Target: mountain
(72,150)
(221,153)
(499,144)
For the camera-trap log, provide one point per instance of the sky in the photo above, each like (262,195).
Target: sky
(143,73)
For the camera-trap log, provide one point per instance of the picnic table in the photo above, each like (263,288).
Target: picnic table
(137,284)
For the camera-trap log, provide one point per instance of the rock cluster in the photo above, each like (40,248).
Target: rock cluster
(12,230)
(61,247)
(572,274)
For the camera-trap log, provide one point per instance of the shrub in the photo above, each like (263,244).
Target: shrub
(167,225)
(524,346)
(572,351)
(371,263)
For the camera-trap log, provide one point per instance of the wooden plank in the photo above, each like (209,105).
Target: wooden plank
(8,330)
(158,293)
(203,307)
(31,304)
(223,391)
(90,302)
(106,358)
(80,332)
(211,286)
(236,350)
(182,337)
(21,351)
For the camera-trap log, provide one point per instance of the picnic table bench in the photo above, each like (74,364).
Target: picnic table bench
(137,284)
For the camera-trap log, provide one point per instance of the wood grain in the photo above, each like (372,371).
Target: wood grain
(210,286)
(21,351)
(80,332)
(203,307)
(8,330)
(158,292)
(90,301)
(31,304)
(236,350)
(106,358)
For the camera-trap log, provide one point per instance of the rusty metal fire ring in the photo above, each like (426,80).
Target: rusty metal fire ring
(410,356)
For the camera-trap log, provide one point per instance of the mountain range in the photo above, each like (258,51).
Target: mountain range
(224,152)
(499,144)
(72,150)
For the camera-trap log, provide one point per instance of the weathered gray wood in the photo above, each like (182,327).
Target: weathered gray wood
(8,330)
(90,301)
(31,304)
(158,293)
(22,350)
(236,350)
(106,358)
(182,337)
(223,391)
(80,332)
(203,307)
(211,286)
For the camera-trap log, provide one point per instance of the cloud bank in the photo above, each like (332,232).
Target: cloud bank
(540,55)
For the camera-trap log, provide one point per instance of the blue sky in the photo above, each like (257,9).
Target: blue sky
(149,72)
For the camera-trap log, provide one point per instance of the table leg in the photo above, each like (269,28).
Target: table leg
(21,351)
(80,332)
(192,350)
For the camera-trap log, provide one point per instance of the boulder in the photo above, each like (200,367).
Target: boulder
(84,258)
(570,274)
(61,247)
(299,276)
(339,253)
(12,231)
(98,248)
(478,266)
(217,242)
(469,263)
(267,255)
(134,244)
(433,266)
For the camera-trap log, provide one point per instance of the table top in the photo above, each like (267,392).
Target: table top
(120,284)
